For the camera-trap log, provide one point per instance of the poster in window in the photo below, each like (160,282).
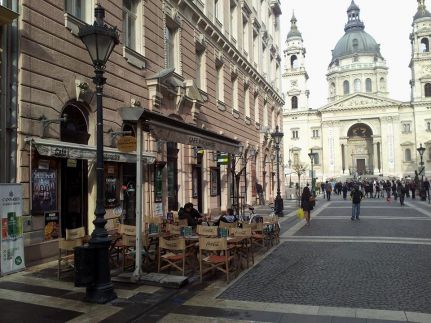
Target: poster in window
(44,190)
(158,184)
(52,225)
(111,187)
(214,181)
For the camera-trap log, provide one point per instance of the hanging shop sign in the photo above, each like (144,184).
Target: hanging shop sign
(126,144)
(12,243)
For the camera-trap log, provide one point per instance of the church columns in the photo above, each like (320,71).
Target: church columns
(376,158)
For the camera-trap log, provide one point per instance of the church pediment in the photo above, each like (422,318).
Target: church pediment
(360,101)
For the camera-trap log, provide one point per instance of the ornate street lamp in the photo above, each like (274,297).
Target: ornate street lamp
(100,40)
(312,158)
(421,151)
(277,136)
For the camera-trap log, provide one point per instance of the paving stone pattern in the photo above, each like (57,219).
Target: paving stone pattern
(367,227)
(365,275)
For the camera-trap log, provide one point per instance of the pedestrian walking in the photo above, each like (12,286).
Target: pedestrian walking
(427,188)
(345,191)
(413,189)
(357,197)
(401,192)
(328,189)
(307,204)
(322,186)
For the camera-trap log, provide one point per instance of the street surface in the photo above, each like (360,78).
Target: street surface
(335,271)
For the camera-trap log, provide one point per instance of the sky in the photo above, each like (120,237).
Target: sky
(322,25)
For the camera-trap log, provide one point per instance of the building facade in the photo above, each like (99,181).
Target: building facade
(201,78)
(361,131)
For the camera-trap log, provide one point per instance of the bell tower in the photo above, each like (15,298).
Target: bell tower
(295,75)
(420,63)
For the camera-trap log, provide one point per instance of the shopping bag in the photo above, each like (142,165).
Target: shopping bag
(300,213)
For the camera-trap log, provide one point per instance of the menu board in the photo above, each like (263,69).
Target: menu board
(52,225)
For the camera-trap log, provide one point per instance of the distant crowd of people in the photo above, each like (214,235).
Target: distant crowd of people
(378,189)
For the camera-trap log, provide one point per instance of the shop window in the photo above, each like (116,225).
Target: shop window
(215,182)
(112,187)
(75,128)
(158,182)
(256,109)
(428,90)
(295,134)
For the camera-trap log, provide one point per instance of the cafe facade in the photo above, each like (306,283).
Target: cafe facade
(199,99)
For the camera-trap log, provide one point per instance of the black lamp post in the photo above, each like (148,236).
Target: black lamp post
(421,151)
(278,203)
(312,156)
(100,40)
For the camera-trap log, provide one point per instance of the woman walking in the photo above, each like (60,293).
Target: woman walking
(306,204)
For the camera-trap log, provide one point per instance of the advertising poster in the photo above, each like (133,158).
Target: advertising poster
(52,225)
(12,243)
(44,193)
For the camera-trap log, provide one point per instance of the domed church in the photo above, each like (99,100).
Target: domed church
(361,130)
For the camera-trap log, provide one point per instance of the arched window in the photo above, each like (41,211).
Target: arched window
(346,87)
(75,128)
(407,155)
(425,45)
(294,61)
(294,102)
(368,86)
(332,89)
(427,90)
(357,85)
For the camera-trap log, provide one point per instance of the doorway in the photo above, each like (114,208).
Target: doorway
(172,169)
(74,192)
(360,166)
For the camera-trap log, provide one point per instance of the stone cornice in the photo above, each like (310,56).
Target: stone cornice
(207,26)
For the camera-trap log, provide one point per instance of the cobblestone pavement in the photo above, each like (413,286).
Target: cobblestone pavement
(389,270)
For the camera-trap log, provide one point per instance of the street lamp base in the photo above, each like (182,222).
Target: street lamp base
(101,294)
(278,206)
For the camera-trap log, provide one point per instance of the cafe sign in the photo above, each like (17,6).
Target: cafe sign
(126,144)
(68,150)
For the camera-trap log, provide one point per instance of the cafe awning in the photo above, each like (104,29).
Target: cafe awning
(61,149)
(173,130)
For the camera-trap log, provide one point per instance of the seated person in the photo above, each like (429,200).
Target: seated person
(191,214)
(228,217)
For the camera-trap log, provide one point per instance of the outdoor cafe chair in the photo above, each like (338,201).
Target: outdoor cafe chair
(214,254)
(174,253)
(245,246)
(74,238)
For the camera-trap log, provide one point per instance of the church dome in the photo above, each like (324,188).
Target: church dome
(355,39)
